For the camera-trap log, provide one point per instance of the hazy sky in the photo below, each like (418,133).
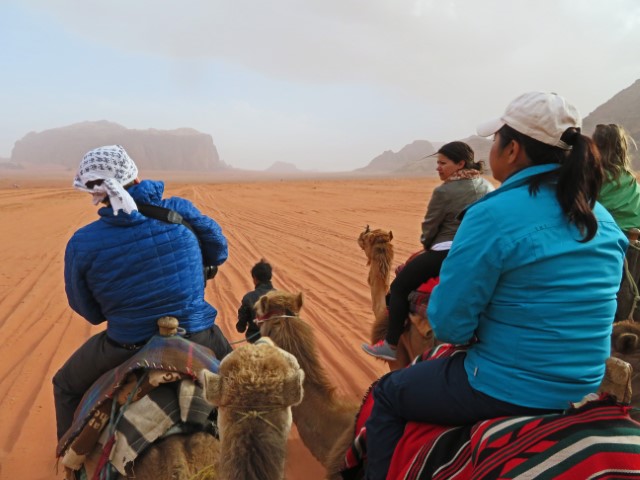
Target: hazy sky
(322,84)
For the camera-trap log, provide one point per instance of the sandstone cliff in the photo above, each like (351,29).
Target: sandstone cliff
(181,149)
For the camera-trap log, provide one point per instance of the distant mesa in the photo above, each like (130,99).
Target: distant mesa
(182,149)
(282,167)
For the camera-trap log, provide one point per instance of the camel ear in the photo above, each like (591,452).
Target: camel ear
(262,305)
(292,388)
(212,387)
(390,235)
(299,301)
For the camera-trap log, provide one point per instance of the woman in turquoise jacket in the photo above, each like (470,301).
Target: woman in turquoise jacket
(529,285)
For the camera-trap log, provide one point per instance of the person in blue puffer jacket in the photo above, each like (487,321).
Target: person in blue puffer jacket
(128,270)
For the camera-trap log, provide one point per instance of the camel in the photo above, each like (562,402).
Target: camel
(200,455)
(254,390)
(625,344)
(418,337)
(325,421)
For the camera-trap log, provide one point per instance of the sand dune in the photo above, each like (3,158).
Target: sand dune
(307,229)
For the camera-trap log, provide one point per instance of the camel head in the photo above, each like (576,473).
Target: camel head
(254,377)
(278,302)
(279,311)
(625,343)
(370,238)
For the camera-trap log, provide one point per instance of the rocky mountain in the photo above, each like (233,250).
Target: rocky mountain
(390,161)
(182,149)
(414,158)
(624,109)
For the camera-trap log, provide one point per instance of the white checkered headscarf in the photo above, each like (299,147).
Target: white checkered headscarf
(112,165)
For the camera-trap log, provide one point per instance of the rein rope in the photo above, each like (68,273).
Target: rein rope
(259,412)
(260,321)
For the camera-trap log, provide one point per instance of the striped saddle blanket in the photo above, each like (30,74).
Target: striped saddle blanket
(596,439)
(129,407)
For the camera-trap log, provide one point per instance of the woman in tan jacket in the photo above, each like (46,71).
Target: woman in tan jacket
(462,185)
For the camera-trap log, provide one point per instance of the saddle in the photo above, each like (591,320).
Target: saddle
(154,393)
(591,438)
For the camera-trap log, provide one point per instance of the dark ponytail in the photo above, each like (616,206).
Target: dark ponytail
(577,181)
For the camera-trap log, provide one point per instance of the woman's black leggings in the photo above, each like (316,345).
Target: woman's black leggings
(415,273)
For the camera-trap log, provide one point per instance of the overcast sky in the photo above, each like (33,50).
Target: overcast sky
(323,84)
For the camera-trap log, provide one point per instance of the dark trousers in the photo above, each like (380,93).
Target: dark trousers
(99,355)
(435,391)
(413,274)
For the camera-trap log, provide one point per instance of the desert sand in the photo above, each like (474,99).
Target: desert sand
(307,229)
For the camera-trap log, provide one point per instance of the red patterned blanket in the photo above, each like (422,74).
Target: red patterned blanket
(595,440)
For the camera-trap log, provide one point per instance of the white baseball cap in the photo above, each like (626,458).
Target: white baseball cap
(539,115)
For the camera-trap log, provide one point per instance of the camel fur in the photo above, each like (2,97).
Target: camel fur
(253,440)
(418,337)
(254,390)
(625,345)
(325,421)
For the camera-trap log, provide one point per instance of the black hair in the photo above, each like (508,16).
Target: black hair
(577,181)
(461,152)
(261,271)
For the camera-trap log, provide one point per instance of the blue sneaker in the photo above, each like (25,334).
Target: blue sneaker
(380,350)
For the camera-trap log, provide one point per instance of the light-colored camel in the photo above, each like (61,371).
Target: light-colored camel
(625,344)
(254,372)
(418,337)
(325,421)
(254,390)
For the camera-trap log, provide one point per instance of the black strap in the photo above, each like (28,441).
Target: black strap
(171,216)
(165,215)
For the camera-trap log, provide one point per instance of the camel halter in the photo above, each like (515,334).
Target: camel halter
(246,413)
(286,313)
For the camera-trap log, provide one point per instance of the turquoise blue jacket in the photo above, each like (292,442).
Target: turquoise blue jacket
(539,302)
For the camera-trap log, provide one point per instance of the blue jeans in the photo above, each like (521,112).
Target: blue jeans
(435,391)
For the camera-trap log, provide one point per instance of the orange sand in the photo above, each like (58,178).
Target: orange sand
(306,228)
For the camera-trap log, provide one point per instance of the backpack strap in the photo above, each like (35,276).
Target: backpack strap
(165,215)
(171,216)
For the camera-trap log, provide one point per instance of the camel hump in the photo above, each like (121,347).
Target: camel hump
(168,326)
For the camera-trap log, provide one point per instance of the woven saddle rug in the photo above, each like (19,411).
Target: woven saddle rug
(596,439)
(132,405)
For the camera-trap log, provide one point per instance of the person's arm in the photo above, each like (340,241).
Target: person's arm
(245,315)
(78,294)
(436,211)
(468,277)
(212,241)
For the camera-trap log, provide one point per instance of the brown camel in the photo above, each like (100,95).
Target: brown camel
(625,344)
(254,390)
(257,371)
(418,335)
(324,420)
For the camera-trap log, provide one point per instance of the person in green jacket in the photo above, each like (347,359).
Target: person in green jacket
(620,192)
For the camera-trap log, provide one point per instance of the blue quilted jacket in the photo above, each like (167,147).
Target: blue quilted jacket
(129,270)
